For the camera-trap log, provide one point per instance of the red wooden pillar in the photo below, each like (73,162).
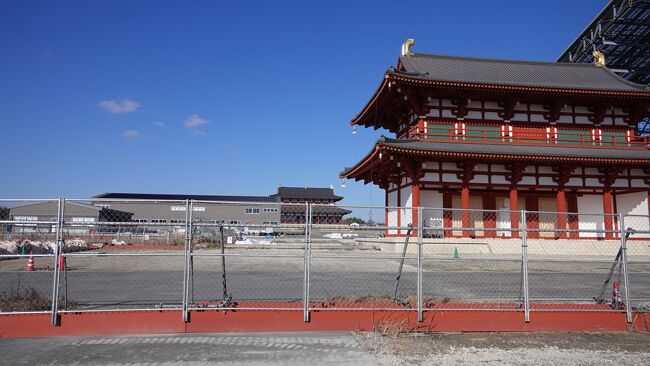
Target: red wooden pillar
(514,215)
(572,203)
(415,204)
(607,211)
(561,216)
(447,216)
(386,211)
(489,217)
(464,205)
(532,219)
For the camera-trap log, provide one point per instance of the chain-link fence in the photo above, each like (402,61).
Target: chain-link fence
(108,254)
(28,237)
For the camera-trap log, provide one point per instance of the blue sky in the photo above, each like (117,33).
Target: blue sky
(212,97)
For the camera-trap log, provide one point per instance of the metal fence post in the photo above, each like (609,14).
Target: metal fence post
(524,264)
(420,300)
(58,245)
(186,267)
(307,263)
(623,232)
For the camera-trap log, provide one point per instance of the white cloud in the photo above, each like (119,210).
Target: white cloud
(194,121)
(159,124)
(114,106)
(129,134)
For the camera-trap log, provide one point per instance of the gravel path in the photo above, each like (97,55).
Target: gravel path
(508,349)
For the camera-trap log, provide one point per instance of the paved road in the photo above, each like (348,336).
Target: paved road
(110,289)
(187,349)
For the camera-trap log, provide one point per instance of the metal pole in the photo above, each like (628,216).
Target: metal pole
(524,264)
(226,298)
(185,263)
(307,262)
(628,304)
(420,300)
(57,250)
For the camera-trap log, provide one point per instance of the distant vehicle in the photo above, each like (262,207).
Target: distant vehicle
(354,224)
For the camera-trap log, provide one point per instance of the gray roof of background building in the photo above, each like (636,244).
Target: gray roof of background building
(517,150)
(182,197)
(307,193)
(513,73)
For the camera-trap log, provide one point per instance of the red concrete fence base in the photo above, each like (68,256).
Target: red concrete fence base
(169,321)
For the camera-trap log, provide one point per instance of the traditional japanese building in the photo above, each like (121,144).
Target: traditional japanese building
(502,135)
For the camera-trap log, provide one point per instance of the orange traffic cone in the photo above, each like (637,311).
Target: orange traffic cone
(30,262)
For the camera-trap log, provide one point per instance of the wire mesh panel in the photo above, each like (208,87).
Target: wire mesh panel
(575,262)
(26,283)
(471,259)
(638,255)
(121,280)
(27,245)
(28,226)
(123,254)
(247,279)
(111,222)
(248,255)
(358,258)
(364,281)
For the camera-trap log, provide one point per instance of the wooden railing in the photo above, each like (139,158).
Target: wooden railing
(490,136)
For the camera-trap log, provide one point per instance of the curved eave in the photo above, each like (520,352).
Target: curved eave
(513,157)
(361,165)
(516,88)
(373,158)
(371,102)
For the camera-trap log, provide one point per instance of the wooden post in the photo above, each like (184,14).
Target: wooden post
(489,217)
(415,204)
(532,219)
(514,215)
(464,202)
(607,211)
(447,215)
(572,203)
(561,216)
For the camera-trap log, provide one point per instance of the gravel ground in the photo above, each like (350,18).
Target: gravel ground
(508,349)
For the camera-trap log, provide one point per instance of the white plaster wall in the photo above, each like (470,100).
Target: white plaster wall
(503,217)
(431,177)
(546,181)
(406,202)
(392,212)
(448,177)
(474,115)
(432,212)
(574,182)
(590,211)
(480,178)
(630,204)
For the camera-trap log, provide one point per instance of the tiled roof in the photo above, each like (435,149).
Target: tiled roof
(197,197)
(517,150)
(307,193)
(513,73)
(509,152)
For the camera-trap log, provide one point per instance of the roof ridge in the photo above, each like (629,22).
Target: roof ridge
(500,60)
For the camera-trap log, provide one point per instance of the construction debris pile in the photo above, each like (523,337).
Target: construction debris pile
(44,247)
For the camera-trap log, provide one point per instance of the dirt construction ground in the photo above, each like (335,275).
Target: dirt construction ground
(508,349)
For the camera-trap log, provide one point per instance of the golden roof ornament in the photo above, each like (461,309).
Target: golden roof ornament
(406,47)
(599,58)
